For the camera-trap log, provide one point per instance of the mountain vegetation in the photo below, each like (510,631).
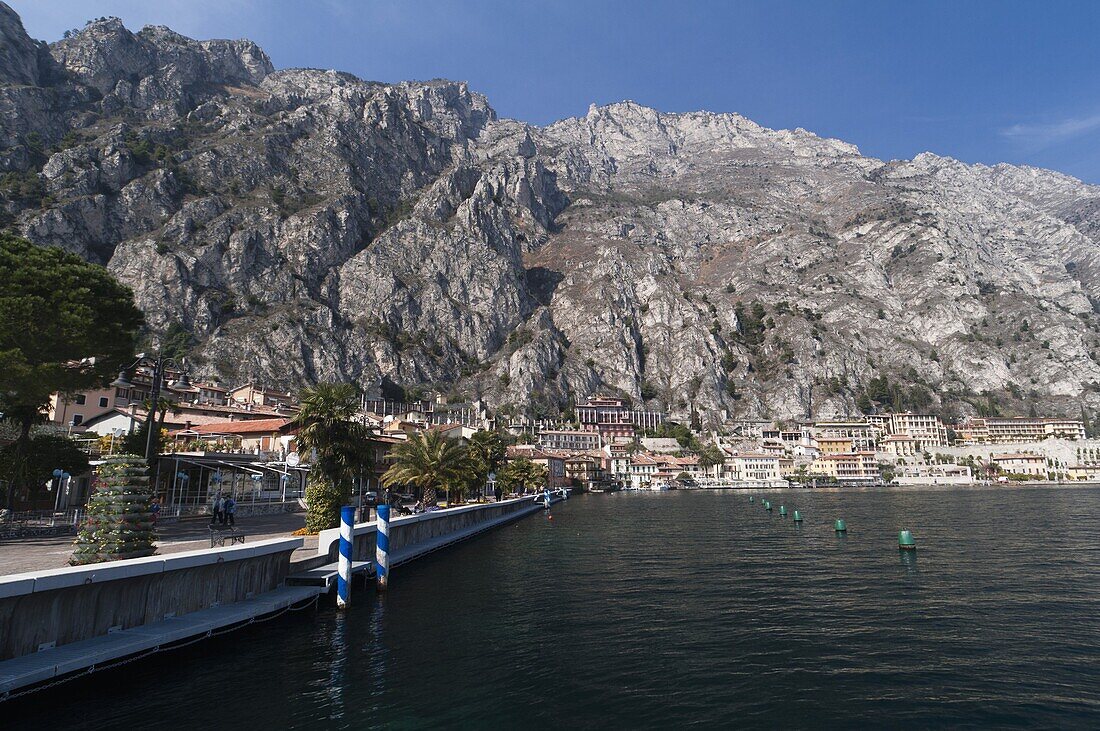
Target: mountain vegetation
(300,225)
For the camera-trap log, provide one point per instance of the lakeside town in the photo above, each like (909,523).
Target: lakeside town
(242,441)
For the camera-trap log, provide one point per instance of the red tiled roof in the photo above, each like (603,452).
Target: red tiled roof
(253,426)
(529,451)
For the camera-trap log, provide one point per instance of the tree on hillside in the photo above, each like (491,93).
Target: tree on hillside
(522,475)
(65,325)
(335,443)
(429,462)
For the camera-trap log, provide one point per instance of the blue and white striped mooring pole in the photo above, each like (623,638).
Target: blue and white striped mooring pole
(343,577)
(382,546)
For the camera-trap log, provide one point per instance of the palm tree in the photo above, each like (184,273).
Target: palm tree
(429,462)
(487,452)
(336,442)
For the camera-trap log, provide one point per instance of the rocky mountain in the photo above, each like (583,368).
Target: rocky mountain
(295,225)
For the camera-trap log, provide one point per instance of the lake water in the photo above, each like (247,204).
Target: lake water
(659,610)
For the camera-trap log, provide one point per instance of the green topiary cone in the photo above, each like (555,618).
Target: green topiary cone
(119,523)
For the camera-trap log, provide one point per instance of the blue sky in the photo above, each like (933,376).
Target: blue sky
(1003,81)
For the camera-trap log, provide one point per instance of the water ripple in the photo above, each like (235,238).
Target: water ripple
(685,609)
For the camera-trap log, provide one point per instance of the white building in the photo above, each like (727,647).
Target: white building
(929,429)
(1019,429)
(1031,465)
(752,467)
(861,433)
(571,439)
(935,474)
(856,468)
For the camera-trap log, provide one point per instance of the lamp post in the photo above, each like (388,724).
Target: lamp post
(61,479)
(158,363)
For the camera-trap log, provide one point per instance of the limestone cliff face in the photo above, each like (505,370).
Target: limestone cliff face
(305,224)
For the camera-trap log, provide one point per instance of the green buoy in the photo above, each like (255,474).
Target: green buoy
(797,517)
(906,542)
(783,511)
(767,506)
(840,526)
(752,499)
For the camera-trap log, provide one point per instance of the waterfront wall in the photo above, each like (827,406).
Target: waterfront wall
(60,606)
(414,535)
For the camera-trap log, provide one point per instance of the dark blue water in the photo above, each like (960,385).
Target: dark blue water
(665,610)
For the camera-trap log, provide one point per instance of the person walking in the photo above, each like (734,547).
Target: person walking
(230,511)
(219,506)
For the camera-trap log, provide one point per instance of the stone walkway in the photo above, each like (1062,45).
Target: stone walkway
(17,556)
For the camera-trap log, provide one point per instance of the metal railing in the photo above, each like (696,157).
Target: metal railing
(39,523)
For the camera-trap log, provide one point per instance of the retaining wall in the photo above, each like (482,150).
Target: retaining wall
(415,535)
(71,604)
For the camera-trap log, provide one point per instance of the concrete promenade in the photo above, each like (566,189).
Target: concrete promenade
(33,554)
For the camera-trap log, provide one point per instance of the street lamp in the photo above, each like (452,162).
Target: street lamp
(158,363)
(61,479)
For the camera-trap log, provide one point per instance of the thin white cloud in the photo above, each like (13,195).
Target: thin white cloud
(1039,135)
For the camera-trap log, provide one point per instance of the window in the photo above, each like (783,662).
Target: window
(78,419)
(80,399)
(103,402)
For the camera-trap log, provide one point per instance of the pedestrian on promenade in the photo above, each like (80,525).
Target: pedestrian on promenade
(230,511)
(155,509)
(219,506)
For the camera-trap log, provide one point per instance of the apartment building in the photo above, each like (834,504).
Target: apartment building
(584,469)
(855,468)
(76,409)
(935,474)
(752,467)
(618,456)
(991,430)
(611,417)
(861,433)
(929,429)
(835,445)
(250,393)
(900,445)
(571,439)
(1032,465)
(554,463)
(1083,473)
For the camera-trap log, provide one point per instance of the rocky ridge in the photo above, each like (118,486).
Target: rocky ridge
(295,225)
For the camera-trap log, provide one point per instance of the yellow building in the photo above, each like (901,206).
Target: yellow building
(856,467)
(835,445)
(1083,473)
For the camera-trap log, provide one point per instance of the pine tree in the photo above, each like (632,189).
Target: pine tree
(119,523)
